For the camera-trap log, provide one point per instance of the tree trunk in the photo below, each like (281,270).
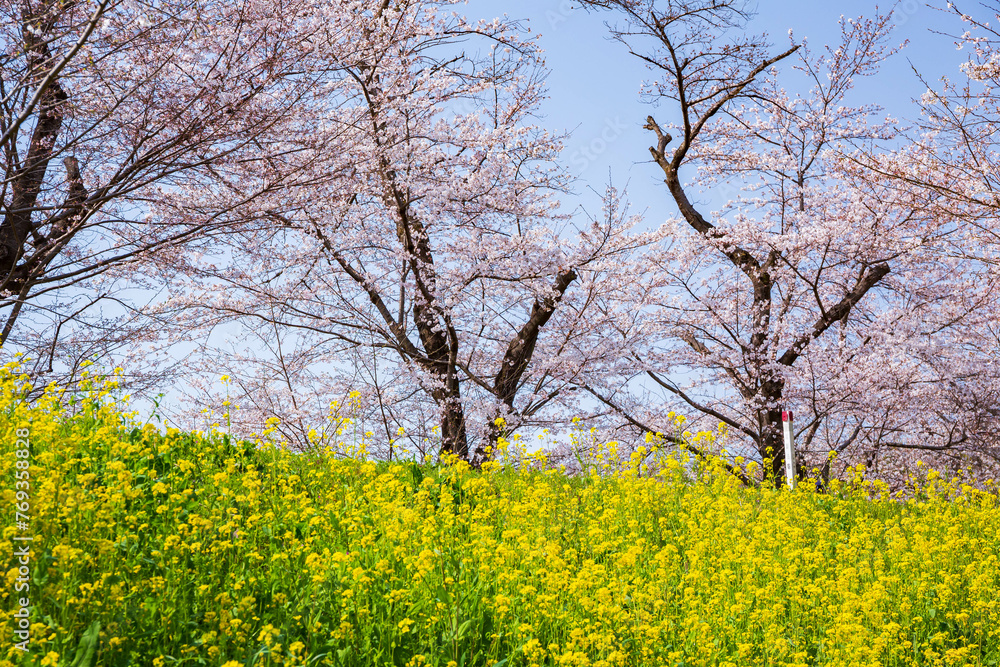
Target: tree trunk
(453,435)
(771,445)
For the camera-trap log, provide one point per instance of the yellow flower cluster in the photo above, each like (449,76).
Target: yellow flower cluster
(195,549)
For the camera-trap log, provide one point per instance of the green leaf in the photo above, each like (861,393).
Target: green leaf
(87,647)
(462,629)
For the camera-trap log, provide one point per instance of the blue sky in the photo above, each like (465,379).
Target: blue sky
(593,84)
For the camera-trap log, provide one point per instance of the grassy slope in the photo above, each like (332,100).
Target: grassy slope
(179,549)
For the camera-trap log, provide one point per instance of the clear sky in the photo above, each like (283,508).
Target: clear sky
(594,83)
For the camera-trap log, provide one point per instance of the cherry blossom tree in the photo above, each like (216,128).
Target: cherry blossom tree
(414,252)
(107,108)
(819,284)
(950,161)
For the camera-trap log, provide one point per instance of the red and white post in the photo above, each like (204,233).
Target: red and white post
(786,420)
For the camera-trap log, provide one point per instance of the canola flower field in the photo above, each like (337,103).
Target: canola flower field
(189,549)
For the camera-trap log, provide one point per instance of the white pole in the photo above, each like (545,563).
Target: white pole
(786,419)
